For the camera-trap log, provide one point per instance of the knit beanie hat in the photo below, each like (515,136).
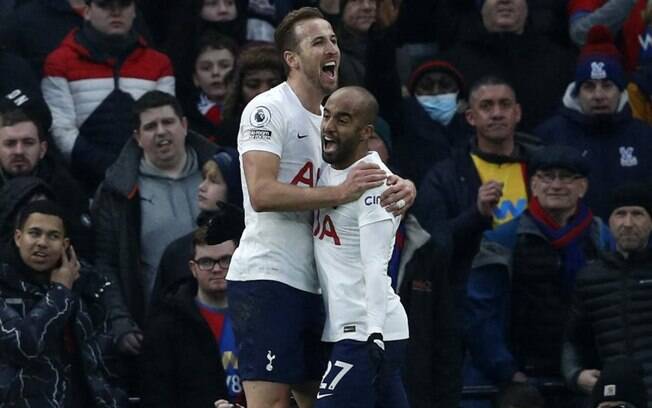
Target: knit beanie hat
(632,194)
(31,104)
(621,379)
(381,128)
(435,66)
(599,59)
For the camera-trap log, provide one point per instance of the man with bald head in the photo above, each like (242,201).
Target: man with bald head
(365,321)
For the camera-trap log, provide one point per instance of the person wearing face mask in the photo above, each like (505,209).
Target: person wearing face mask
(431,118)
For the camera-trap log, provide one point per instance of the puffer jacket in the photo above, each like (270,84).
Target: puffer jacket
(611,316)
(91,95)
(53,343)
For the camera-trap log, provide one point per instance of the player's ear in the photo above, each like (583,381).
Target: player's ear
(291,59)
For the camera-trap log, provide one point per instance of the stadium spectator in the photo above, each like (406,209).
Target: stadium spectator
(24,151)
(522,280)
(596,120)
(147,200)
(612,297)
(221,183)
(506,46)
(54,346)
(189,354)
(432,118)
(481,185)
(258,68)
(624,17)
(204,101)
(91,82)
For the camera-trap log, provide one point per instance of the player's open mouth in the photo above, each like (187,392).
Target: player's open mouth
(329,69)
(329,144)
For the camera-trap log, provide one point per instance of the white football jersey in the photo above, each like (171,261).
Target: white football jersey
(278,245)
(339,263)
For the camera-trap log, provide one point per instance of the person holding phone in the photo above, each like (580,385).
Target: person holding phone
(51,345)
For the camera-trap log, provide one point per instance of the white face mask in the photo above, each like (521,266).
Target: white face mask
(440,108)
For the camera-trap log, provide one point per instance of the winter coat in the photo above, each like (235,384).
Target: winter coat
(28,35)
(65,191)
(116,217)
(515,295)
(40,363)
(523,60)
(446,203)
(423,142)
(434,358)
(91,96)
(182,363)
(617,147)
(611,316)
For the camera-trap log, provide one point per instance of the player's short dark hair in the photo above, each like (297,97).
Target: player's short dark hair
(152,100)
(15,116)
(284,36)
(490,80)
(47,207)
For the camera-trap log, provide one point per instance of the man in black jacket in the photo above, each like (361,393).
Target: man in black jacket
(481,185)
(24,151)
(54,343)
(189,357)
(613,297)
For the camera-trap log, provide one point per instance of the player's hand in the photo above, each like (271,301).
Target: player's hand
(226,404)
(130,343)
(376,347)
(587,379)
(68,272)
(488,197)
(361,178)
(400,195)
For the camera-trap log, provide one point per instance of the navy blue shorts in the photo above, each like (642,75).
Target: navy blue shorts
(278,332)
(349,377)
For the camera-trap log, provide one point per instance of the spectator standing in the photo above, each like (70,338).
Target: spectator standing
(147,200)
(596,120)
(91,82)
(522,280)
(507,47)
(612,297)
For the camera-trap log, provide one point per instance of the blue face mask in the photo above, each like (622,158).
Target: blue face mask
(440,108)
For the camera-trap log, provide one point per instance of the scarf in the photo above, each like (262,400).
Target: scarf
(103,47)
(567,239)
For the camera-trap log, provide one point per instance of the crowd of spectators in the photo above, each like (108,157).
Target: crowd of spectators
(526,126)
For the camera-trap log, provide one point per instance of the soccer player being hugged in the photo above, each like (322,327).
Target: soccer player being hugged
(365,321)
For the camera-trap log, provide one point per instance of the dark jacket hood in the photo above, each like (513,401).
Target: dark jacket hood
(15,193)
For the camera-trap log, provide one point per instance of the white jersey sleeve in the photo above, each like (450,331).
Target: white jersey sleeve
(376,242)
(262,128)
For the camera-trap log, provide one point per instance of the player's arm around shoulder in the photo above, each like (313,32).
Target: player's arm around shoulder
(267,193)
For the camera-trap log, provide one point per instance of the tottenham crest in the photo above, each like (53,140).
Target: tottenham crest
(260,116)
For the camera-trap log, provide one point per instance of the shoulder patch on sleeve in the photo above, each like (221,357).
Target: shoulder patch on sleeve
(260,116)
